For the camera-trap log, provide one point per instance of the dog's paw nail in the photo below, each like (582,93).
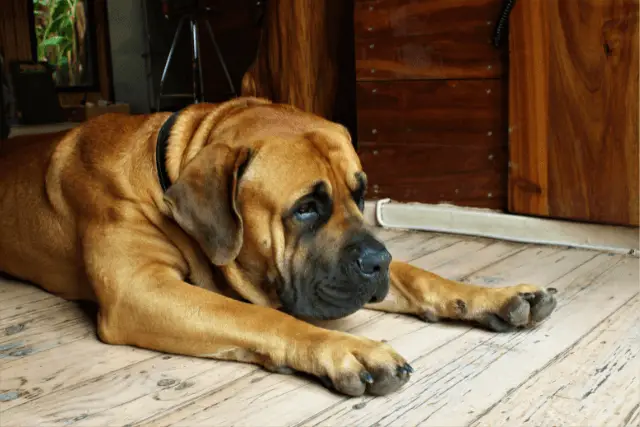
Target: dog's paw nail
(406,369)
(366,377)
(552,291)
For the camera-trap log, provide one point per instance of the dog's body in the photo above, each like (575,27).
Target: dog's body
(260,229)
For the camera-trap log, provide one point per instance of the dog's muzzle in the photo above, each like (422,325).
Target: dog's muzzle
(325,290)
(369,261)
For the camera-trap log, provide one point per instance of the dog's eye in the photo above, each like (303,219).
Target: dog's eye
(307,211)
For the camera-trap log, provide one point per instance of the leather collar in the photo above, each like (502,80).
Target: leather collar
(161,151)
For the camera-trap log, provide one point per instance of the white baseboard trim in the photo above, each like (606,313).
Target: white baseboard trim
(22,130)
(444,218)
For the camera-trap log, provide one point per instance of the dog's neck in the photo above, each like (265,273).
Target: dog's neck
(185,133)
(162,143)
(181,136)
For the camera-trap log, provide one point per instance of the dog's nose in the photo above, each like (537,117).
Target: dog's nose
(373,257)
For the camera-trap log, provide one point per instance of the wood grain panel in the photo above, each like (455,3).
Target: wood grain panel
(460,175)
(297,55)
(8,42)
(435,141)
(528,102)
(15,35)
(451,112)
(593,110)
(406,39)
(574,110)
(22,29)
(103,50)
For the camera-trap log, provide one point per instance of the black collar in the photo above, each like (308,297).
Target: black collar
(161,151)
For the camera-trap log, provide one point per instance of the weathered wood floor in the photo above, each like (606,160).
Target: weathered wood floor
(580,368)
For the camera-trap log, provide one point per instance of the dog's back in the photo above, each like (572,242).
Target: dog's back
(24,208)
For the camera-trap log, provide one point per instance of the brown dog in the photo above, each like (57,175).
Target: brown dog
(260,228)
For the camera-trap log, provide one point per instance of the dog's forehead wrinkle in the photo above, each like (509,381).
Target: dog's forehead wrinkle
(335,147)
(282,158)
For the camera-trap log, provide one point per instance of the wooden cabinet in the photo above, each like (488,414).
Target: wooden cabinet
(434,140)
(432,101)
(573,96)
(547,127)
(426,39)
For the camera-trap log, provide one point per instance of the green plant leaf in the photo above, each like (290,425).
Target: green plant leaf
(52,41)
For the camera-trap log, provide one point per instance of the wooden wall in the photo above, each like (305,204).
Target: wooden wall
(432,101)
(15,35)
(315,71)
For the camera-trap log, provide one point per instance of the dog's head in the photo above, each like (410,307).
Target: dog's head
(275,198)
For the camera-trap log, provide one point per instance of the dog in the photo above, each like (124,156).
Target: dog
(224,231)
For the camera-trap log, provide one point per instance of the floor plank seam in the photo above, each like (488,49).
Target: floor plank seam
(367,399)
(563,302)
(261,372)
(521,335)
(480,344)
(630,415)
(458,336)
(14,358)
(510,255)
(443,263)
(466,277)
(88,381)
(551,362)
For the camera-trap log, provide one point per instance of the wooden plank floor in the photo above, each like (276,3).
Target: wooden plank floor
(581,367)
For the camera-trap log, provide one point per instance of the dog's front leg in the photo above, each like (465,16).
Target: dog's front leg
(144,302)
(431,297)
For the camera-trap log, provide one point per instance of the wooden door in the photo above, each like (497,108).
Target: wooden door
(573,110)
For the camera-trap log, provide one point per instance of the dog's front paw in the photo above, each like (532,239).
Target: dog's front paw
(520,306)
(354,365)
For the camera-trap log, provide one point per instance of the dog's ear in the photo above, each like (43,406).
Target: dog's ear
(203,200)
